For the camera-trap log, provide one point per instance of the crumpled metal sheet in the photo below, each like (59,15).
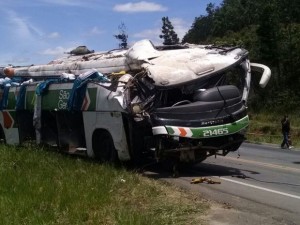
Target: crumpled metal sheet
(165,67)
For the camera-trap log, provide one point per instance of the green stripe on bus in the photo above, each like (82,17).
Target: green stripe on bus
(212,131)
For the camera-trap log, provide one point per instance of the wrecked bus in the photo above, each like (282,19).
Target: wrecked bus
(185,102)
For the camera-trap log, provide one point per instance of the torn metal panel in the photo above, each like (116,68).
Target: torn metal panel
(166,68)
(176,67)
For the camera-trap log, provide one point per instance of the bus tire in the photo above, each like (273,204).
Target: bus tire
(103,147)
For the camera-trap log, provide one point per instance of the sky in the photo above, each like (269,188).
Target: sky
(38,31)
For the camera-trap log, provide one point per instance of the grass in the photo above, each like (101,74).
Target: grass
(38,186)
(266,128)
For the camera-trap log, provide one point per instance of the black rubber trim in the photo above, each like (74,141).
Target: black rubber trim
(200,118)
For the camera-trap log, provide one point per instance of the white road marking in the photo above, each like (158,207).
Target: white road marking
(260,188)
(263,164)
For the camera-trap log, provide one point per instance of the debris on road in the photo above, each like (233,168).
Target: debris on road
(204,180)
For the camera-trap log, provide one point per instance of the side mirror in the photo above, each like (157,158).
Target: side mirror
(264,70)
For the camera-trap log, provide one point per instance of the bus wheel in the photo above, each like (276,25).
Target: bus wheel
(103,147)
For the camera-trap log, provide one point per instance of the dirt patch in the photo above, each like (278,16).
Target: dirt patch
(221,214)
(224,214)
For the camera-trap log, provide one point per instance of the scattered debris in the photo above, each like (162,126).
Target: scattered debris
(122,180)
(81,50)
(242,176)
(204,180)
(226,205)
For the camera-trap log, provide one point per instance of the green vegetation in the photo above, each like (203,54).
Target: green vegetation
(122,36)
(168,34)
(266,128)
(270,31)
(39,186)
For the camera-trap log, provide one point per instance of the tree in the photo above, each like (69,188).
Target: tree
(270,31)
(268,34)
(202,27)
(122,36)
(168,34)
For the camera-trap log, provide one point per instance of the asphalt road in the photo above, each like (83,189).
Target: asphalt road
(259,184)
